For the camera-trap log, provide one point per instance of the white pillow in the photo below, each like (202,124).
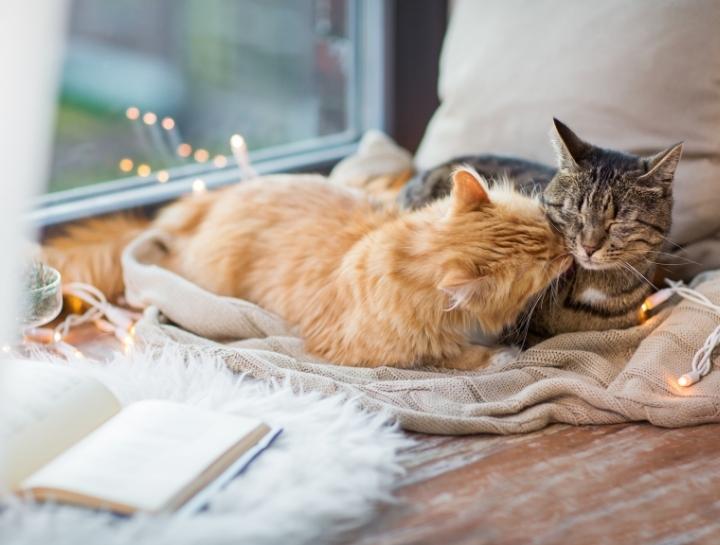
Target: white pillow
(630,75)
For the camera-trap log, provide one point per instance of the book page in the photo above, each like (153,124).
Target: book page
(44,409)
(143,457)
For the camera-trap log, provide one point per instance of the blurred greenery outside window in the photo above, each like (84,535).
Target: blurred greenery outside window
(152,85)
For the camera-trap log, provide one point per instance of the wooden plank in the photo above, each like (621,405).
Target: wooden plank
(633,484)
(92,342)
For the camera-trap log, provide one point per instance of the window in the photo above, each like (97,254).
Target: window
(152,92)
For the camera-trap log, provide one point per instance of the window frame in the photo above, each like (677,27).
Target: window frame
(369,95)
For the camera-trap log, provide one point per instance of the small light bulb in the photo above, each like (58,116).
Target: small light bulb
(237,141)
(126,164)
(168,123)
(220,161)
(184,150)
(149,118)
(74,304)
(201,155)
(132,113)
(162,176)
(144,170)
(5,348)
(688,379)
(198,186)
(656,299)
(127,343)
(57,337)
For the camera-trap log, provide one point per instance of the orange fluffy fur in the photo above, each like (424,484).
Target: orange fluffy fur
(90,251)
(384,187)
(368,285)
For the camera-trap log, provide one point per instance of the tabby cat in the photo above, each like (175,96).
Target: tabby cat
(614,210)
(364,284)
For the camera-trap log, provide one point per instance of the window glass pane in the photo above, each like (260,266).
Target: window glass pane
(149,85)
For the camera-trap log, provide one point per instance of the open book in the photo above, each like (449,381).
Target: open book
(65,437)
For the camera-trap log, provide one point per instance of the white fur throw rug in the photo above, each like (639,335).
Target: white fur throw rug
(325,474)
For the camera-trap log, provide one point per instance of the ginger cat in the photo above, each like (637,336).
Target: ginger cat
(367,285)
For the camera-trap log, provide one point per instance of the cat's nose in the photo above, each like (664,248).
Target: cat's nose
(590,249)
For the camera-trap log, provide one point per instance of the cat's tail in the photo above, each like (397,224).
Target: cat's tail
(89,251)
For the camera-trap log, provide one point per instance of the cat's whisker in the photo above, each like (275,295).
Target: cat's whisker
(639,274)
(666,239)
(676,256)
(665,264)
(523,327)
(553,287)
(556,228)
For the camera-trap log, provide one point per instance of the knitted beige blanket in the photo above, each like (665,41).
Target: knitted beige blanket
(578,378)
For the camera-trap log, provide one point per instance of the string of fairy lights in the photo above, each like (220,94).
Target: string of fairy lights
(85,304)
(163,136)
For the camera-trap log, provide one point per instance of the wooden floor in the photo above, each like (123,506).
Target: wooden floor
(623,484)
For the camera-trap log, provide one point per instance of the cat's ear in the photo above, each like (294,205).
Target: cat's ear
(661,166)
(462,286)
(569,148)
(469,191)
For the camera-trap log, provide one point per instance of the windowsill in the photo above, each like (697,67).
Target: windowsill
(133,192)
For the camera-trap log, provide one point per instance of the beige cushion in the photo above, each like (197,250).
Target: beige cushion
(632,75)
(377,155)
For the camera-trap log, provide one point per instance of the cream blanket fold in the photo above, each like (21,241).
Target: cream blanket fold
(577,378)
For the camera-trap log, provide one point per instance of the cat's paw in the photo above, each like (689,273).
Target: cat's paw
(504,355)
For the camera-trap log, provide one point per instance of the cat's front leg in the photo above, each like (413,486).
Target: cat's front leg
(475,356)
